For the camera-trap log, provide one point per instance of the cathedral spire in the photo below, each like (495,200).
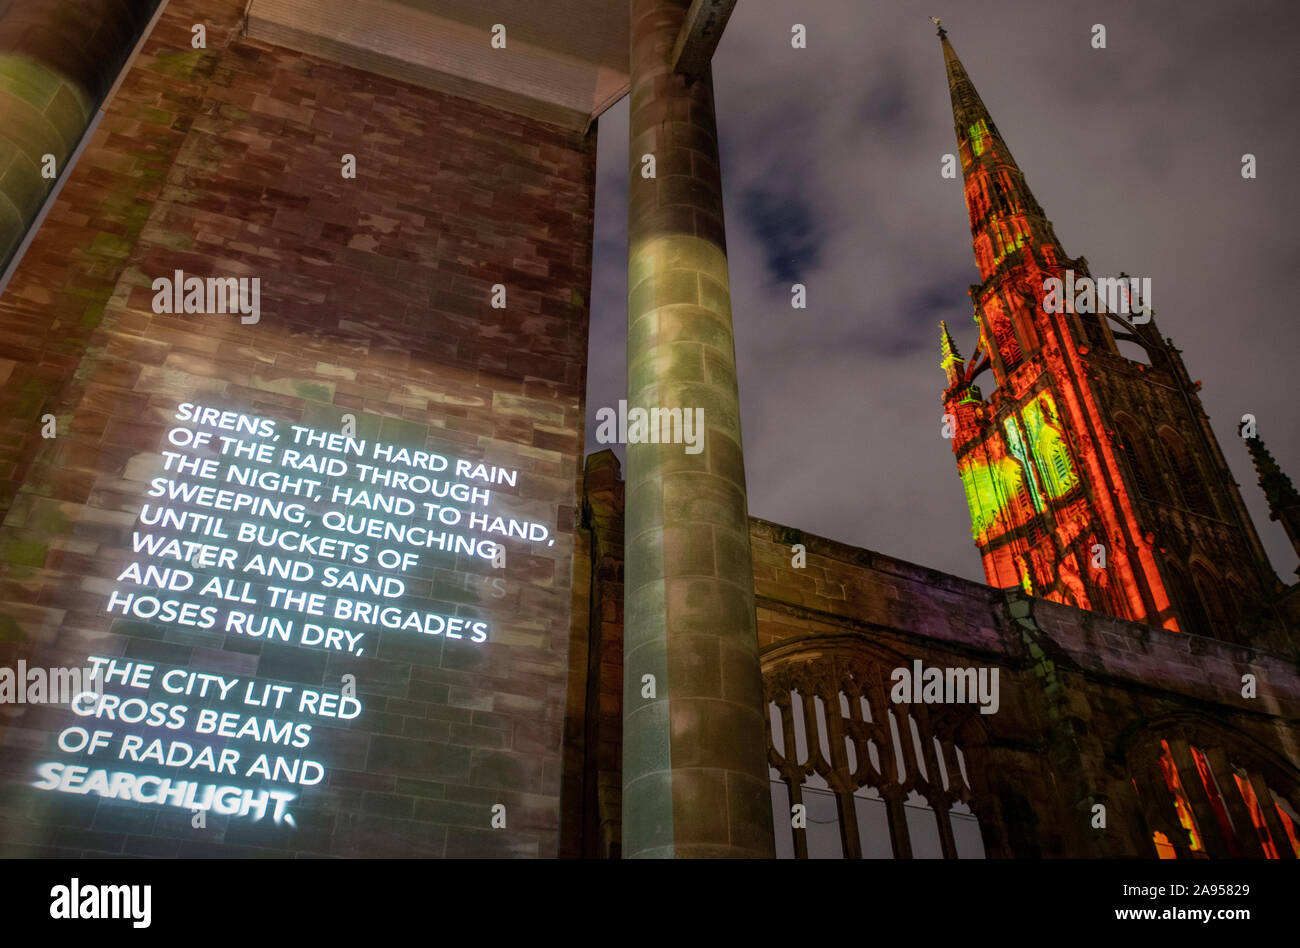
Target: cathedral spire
(1055,464)
(967,107)
(1004,216)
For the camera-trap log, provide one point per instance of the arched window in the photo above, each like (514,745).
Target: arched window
(1049,446)
(1214,601)
(870,778)
(1186,602)
(1015,483)
(1135,449)
(1234,596)
(1203,800)
(1187,473)
(1008,345)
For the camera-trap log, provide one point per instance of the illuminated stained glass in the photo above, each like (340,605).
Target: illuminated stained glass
(1289,827)
(1267,842)
(1026,580)
(1007,240)
(1013,485)
(1007,342)
(991,490)
(1217,804)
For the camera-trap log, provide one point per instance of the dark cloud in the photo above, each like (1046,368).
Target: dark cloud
(831,159)
(786,226)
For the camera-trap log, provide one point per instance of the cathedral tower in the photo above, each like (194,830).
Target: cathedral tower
(1093,479)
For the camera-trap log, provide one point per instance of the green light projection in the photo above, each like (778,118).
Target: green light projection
(1039,446)
(1048,445)
(1007,243)
(1026,579)
(1017,447)
(981,495)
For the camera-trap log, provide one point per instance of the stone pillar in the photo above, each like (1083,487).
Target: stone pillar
(695,778)
(58,59)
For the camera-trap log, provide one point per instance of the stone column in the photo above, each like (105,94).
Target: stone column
(695,778)
(58,59)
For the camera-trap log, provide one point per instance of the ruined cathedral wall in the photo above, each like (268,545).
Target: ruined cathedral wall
(861,588)
(1082,696)
(872,589)
(823,604)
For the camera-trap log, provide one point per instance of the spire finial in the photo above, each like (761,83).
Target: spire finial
(935,21)
(952,361)
(1283,499)
(1277,487)
(945,341)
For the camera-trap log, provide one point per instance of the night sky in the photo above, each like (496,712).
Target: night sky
(831,159)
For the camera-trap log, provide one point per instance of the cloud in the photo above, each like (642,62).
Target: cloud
(784,223)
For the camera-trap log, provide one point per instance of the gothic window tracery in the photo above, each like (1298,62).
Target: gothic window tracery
(1213,596)
(1048,444)
(1134,448)
(875,779)
(1191,613)
(1187,473)
(1209,799)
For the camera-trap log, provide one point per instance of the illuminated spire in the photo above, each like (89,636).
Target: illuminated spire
(967,107)
(1003,213)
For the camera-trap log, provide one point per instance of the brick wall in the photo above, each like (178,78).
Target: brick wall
(375,302)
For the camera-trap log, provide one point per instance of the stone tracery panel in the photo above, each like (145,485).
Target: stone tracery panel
(874,778)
